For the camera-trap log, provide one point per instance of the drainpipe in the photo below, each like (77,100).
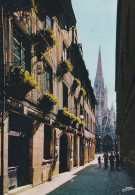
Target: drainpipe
(2,98)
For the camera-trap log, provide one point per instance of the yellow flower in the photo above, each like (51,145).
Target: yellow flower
(83,123)
(83,91)
(78,82)
(68,113)
(27,78)
(69,65)
(52,98)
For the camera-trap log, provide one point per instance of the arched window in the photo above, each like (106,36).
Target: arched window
(102,103)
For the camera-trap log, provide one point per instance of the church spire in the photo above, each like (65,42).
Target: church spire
(99,74)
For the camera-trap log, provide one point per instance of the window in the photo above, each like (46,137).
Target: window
(91,127)
(75,106)
(65,96)
(85,117)
(65,52)
(48,22)
(102,103)
(81,110)
(19,49)
(89,123)
(47,141)
(87,120)
(48,78)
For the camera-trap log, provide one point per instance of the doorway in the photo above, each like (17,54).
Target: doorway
(107,145)
(18,147)
(63,153)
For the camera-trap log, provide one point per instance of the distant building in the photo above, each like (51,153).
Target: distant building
(125,79)
(105,117)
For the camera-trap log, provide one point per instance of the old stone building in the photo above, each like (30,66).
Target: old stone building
(47,101)
(105,117)
(125,79)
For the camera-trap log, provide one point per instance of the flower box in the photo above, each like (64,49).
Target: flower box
(46,102)
(82,92)
(65,117)
(20,82)
(42,41)
(76,83)
(62,69)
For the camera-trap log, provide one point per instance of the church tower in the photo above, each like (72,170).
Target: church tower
(105,133)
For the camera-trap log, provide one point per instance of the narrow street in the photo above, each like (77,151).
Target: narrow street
(98,181)
(88,180)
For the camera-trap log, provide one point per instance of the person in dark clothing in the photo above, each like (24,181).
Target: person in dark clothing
(117,161)
(99,161)
(111,158)
(105,156)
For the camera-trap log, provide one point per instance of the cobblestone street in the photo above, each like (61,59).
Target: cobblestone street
(98,181)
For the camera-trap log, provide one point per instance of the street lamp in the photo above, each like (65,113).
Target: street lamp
(81,117)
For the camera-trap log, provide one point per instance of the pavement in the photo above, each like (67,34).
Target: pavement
(88,180)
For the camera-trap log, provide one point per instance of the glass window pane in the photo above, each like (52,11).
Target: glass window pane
(48,22)
(23,65)
(23,54)
(16,61)
(17,48)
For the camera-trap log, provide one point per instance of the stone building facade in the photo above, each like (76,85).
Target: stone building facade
(48,122)
(105,117)
(125,79)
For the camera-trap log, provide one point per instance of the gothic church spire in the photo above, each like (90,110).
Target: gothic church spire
(99,75)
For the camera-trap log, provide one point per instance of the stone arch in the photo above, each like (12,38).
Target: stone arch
(63,166)
(107,143)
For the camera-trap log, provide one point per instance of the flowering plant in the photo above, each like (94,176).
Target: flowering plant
(83,92)
(20,82)
(76,83)
(52,98)
(47,102)
(62,69)
(50,34)
(73,116)
(42,41)
(29,79)
(70,115)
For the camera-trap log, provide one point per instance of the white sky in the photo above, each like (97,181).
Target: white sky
(96,26)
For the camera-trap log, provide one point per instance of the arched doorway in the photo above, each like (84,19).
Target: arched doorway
(107,144)
(63,153)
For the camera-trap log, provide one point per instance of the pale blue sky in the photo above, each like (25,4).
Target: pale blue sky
(96,26)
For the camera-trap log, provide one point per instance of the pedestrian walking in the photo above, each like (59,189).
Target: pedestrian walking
(117,161)
(105,156)
(111,158)
(99,161)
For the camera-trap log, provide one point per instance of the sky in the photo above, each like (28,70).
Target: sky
(96,26)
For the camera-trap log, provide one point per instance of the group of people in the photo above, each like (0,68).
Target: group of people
(115,160)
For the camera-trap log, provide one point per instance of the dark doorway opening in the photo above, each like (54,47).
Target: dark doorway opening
(107,145)
(18,147)
(63,153)
(75,151)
